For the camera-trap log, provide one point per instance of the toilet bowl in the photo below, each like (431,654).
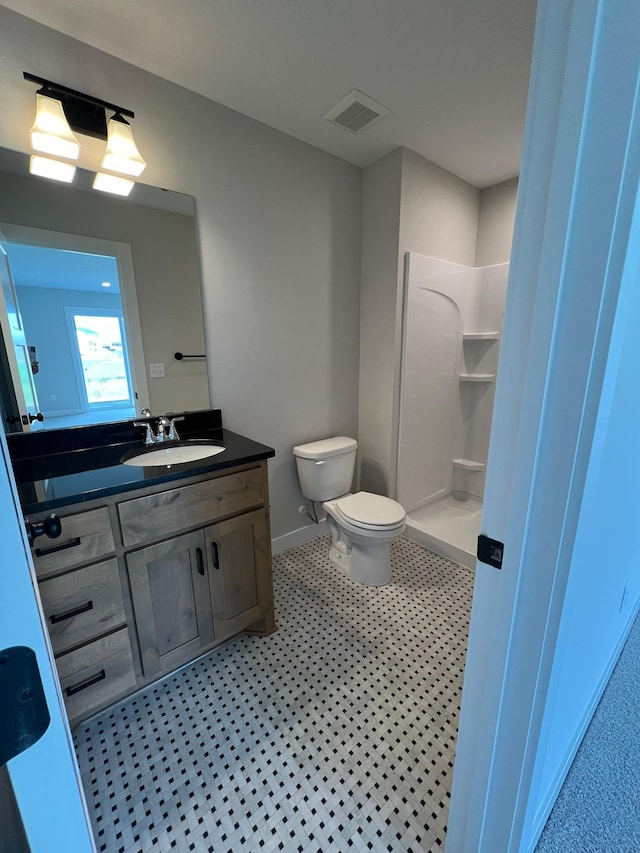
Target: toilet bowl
(362,525)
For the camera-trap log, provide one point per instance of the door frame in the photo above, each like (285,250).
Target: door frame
(578,191)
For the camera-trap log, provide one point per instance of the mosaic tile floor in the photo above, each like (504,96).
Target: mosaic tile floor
(336,733)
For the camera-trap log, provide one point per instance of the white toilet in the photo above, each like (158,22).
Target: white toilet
(362,525)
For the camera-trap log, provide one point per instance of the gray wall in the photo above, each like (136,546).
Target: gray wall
(279,234)
(379,306)
(409,204)
(495,223)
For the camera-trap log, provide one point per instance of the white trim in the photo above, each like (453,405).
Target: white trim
(298,537)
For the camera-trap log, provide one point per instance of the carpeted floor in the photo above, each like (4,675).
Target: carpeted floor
(598,809)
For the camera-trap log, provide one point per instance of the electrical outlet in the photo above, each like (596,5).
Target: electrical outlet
(156,371)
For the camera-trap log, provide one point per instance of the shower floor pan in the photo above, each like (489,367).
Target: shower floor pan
(448,527)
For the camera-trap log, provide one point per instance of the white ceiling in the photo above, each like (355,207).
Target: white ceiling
(453,72)
(35,266)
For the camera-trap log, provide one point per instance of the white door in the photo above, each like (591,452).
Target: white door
(574,228)
(17,349)
(44,778)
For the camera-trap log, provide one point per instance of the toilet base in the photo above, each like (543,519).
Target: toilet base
(340,559)
(369,566)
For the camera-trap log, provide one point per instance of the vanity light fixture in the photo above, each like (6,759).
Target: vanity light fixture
(122,154)
(51,133)
(112,184)
(45,167)
(61,110)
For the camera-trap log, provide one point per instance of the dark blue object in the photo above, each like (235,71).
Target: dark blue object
(25,716)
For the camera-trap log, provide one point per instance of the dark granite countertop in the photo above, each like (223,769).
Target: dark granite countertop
(84,463)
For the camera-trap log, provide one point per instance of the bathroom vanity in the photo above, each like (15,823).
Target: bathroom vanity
(155,564)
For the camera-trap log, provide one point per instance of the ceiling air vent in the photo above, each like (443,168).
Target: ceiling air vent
(356,112)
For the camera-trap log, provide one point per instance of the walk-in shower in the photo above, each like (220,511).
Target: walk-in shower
(451,335)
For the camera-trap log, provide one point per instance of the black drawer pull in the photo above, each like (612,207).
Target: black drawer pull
(93,679)
(42,552)
(200,556)
(216,555)
(71,613)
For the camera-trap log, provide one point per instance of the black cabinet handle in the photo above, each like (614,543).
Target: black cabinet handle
(88,682)
(200,556)
(216,555)
(84,608)
(38,417)
(42,552)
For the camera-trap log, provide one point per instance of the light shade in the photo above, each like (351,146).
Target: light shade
(51,132)
(54,169)
(122,154)
(112,184)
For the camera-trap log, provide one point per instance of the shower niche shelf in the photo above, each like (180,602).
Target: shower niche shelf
(481,336)
(469,465)
(477,377)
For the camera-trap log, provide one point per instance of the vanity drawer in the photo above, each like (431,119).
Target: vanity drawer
(85,537)
(164,513)
(82,604)
(96,673)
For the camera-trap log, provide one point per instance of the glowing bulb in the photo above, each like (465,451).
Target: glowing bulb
(51,133)
(44,167)
(112,184)
(122,154)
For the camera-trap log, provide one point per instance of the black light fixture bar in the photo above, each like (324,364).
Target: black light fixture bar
(84,113)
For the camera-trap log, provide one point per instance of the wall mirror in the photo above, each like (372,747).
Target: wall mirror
(98,295)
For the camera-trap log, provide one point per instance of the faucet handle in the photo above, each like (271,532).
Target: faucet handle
(173,432)
(149,437)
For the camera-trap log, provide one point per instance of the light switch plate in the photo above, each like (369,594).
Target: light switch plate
(156,371)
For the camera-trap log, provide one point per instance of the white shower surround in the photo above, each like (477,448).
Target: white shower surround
(451,328)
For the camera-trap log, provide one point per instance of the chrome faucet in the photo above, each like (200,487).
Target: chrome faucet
(173,432)
(149,436)
(161,435)
(161,431)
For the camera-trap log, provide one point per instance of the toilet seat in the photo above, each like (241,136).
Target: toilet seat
(370,512)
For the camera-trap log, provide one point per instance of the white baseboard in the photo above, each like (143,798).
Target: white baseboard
(298,537)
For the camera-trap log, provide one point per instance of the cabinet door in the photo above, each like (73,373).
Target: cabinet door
(170,592)
(238,553)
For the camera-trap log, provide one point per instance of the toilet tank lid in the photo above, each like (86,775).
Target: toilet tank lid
(325,447)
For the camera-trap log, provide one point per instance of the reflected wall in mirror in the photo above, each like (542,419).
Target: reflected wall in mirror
(148,243)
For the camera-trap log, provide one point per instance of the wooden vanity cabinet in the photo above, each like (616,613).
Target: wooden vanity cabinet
(84,611)
(198,587)
(170,593)
(146,582)
(239,552)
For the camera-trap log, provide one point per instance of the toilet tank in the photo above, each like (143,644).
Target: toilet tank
(325,468)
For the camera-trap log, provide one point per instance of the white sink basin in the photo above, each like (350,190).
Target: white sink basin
(174,454)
